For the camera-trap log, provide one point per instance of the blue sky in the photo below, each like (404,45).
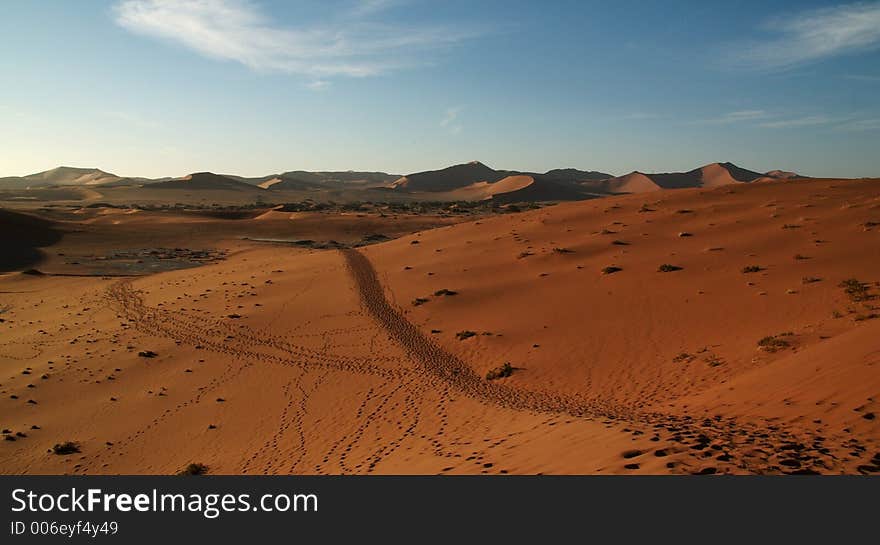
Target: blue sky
(163,88)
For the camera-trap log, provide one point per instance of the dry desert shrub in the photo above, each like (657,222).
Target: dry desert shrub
(500,372)
(65,448)
(194,469)
(772,343)
(856,290)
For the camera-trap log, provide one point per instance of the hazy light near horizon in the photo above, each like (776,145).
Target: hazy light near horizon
(812,36)
(354,45)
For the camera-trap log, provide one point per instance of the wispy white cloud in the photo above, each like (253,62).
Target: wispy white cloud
(450,119)
(639,116)
(739,116)
(238,30)
(318,85)
(763,119)
(850,122)
(812,36)
(797,122)
(871,124)
(863,77)
(370,7)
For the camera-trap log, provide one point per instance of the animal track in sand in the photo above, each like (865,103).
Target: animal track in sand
(394,407)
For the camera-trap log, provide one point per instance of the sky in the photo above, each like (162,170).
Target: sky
(251,87)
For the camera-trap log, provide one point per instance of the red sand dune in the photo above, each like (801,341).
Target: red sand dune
(449,179)
(752,351)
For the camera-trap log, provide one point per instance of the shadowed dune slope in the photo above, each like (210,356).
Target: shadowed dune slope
(206,181)
(21,237)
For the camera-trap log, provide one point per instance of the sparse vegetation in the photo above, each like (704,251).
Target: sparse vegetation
(666,267)
(500,372)
(713,360)
(856,290)
(194,469)
(772,343)
(466,334)
(752,269)
(684,357)
(65,448)
(374,237)
(445,292)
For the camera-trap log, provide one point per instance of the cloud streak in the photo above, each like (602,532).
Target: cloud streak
(450,120)
(370,7)
(813,36)
(237,30)
(736,117)
(763,119)
(793,123)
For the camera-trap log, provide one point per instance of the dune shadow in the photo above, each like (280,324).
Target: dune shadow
(21,237)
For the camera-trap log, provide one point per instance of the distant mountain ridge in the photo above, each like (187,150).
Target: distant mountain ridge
(571,184)
(467,181)
(72,176)
(708,176)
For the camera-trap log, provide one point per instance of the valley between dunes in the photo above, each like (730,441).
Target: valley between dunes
(756,352)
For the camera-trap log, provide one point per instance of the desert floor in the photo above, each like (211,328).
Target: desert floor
(757,352)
